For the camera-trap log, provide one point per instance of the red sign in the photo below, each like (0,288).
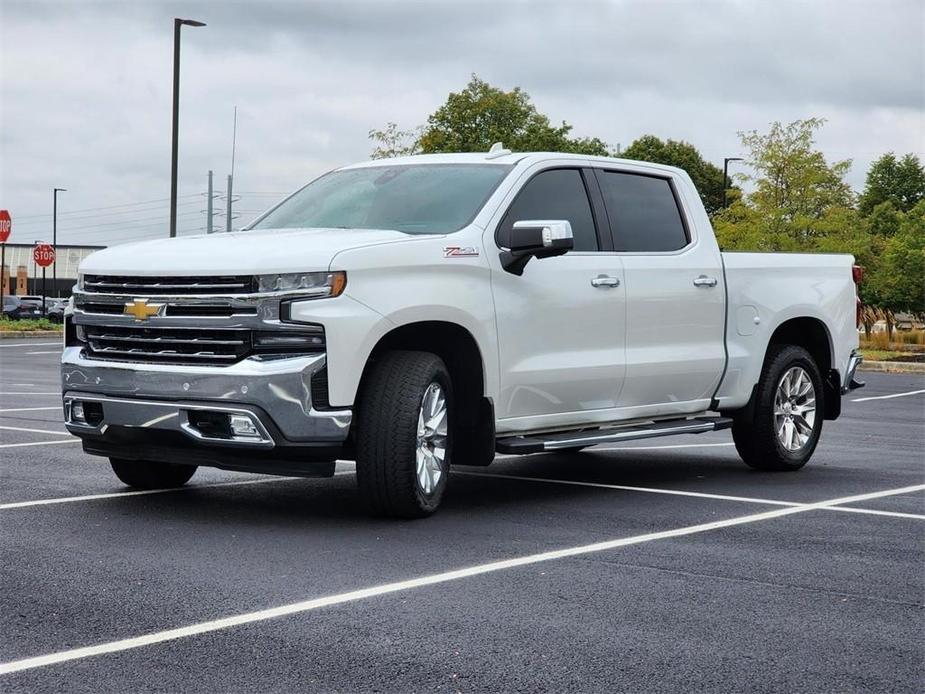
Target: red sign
(6,226)
(43,254)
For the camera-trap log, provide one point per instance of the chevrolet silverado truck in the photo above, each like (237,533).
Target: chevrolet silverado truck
(422,312)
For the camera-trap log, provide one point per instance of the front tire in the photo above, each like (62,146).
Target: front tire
(781,429)
(404,434)
(146,474)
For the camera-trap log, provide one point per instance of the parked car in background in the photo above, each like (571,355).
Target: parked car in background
(55,310)
(32,300)
(14,308)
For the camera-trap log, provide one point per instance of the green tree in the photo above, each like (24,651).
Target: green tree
(797,197)
(899,283)
(884,219)
(707,177)
(393,142)
(473,119)
(900,181)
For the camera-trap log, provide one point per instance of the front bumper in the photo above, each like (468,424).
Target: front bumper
(274,394)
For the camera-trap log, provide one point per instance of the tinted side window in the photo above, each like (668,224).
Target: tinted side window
(643,212)
(556,194)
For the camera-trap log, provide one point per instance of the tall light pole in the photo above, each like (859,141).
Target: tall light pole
(726,161)
(177,23)
(54,239)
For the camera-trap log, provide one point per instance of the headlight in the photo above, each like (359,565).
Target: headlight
(80,282)
(315,285)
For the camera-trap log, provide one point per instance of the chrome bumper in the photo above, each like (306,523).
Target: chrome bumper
(850,383)
(275,395)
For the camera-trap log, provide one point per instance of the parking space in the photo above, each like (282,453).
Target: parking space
(661,565)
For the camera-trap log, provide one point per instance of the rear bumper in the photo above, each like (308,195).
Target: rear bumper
(850,382)
(137,402)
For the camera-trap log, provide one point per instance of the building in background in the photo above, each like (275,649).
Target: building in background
(22,276)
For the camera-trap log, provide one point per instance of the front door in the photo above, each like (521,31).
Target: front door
(560,324)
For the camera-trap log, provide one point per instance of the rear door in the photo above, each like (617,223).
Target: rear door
(675,304)
(560,327)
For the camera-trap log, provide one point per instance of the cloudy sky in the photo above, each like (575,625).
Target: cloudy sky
(86,86)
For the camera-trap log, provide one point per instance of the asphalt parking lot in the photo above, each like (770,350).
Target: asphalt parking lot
(655,566)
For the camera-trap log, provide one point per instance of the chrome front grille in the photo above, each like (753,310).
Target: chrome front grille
(159,286)
(166,345)
(208,321)
(178,308)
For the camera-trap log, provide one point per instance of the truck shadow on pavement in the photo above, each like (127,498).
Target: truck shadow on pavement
(487,492)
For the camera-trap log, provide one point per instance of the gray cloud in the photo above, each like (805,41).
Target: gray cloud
(86,86)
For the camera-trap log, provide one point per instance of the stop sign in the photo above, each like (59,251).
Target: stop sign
(43,254)
(6,226)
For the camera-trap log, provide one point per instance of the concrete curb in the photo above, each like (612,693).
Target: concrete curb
(21,334)
(894,367)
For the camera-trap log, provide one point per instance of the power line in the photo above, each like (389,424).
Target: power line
(124,223)
(108,207)
(103,215)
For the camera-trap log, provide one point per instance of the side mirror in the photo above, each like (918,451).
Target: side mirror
(536,239)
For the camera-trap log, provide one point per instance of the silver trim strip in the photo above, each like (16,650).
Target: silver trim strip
(629,435)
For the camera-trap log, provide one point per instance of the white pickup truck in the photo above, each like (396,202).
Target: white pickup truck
(417,313)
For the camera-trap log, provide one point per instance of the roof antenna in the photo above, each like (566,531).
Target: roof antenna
(497,150)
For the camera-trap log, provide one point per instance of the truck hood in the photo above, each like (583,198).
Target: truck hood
(239,253)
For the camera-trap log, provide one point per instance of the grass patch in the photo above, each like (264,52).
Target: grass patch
(880,354)
(7,325)
(903,340)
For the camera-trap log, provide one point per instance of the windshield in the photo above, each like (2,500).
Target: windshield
(416,199)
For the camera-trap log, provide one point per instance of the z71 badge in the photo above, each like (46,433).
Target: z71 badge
(460,252)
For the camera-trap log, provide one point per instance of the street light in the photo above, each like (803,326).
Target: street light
(726,161)
(177,23)
(54,239)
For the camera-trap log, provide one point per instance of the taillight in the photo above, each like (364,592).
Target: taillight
(857,274)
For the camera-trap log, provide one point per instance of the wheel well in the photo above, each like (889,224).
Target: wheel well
(458,350)
(812,335)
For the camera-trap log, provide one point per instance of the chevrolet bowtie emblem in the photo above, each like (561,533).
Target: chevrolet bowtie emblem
(142,310)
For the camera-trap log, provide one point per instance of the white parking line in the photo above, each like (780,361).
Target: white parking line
(37,443)
(54,392)
(32,344)
(889,397)
(52,351)
(679,492)
(433,579)
(37,431)
(29,409)
(147,492)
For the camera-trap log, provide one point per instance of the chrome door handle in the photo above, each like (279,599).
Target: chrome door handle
(605,281)
(704,281)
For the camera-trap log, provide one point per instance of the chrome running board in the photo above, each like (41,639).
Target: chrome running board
(539,443)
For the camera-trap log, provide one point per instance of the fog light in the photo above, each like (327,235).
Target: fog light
(243,427)
(77,412)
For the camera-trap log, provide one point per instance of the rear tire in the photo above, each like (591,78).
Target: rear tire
(781,429)
(146,474)
(404,434)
